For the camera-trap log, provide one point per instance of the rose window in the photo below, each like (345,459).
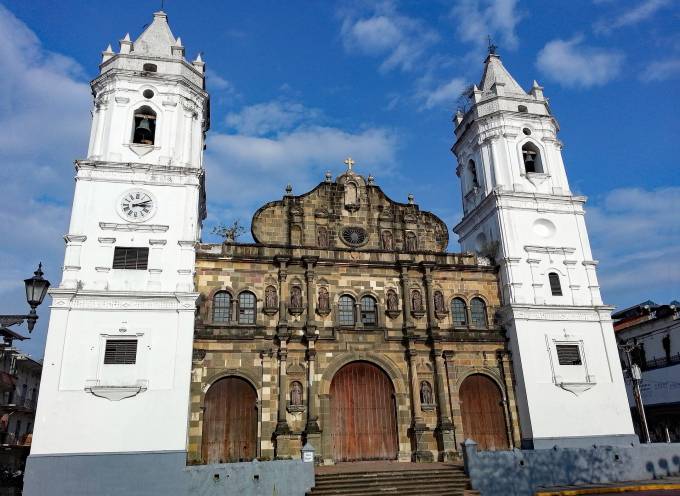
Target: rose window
(354,236)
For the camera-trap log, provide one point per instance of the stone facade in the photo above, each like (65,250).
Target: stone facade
(300,335)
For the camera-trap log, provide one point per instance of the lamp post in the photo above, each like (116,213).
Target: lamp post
(36,289)
(636,378)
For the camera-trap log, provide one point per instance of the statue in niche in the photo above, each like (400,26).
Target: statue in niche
(296,394)
(416,301)
(426,397)
(386,237)
(392,300)
(323,304)
(270,297)
(351,194)
(296,297)
(411,242)
(322,237)
(439,306)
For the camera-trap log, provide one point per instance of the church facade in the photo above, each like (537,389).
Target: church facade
(346,324)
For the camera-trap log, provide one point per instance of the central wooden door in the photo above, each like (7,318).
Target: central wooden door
(363,414)
(481,406)
(230,422)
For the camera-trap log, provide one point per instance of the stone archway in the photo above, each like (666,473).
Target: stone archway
(483,414)
(229,421)
(363,414)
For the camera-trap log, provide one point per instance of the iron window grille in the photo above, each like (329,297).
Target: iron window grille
(346,311)
(120,352)
(368,311)
(221,307)
(246,308)
(478,313)
(459,312)
(130,258)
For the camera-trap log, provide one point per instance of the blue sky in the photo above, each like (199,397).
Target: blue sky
(297,86)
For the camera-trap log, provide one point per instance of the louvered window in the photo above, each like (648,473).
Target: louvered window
(120,352)
(130,258)
(555,287)
(568,354)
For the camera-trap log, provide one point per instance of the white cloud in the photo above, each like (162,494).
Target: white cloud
(264,118)
(635,236)
(641,12)
(402,41)
(573,64)
(478,18)
(244,171)
(45,121)
(661,70)
(444,95)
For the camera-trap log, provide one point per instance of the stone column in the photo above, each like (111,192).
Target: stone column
(282,422)
(312,428)
(418,428)
(311,300)
(406,298)
(432,322)
(506,375)
(447,442)
(282,328)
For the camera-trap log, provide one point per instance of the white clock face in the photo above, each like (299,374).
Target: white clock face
(136,205)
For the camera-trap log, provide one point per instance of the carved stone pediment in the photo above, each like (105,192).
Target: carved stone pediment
(270,310)
(116,393)
(295,369)
(418,314)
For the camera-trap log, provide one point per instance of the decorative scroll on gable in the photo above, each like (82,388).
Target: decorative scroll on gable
(349,213)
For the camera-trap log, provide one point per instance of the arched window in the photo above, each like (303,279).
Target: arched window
(145,126)
(555,286)
(346,311)
(459,312)
(368,311)
(221,307)
(531,157)
(473,173)
(246,308)
(478,312)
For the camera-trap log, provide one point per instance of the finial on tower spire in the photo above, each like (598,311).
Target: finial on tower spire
(492,47)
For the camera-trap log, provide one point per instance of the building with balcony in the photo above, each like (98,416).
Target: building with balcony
(653,333)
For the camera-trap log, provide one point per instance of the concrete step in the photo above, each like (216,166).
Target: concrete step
(442,481)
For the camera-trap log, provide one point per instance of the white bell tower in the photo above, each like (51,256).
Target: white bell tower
(519,210)
(118,355)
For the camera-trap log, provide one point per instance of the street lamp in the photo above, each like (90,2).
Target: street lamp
(636,378)
(36,289)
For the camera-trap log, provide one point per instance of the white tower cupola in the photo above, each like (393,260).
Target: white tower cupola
(519,211)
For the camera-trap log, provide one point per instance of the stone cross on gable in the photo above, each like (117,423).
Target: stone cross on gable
(349,162)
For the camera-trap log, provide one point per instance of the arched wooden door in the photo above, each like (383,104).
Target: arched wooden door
(363,414)
(230,422)
(481,406)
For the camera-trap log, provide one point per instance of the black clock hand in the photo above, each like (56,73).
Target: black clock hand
(141,203)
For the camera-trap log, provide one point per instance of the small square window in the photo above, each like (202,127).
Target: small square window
(120,352)
(568,354)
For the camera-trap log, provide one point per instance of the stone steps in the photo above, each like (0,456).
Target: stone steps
(448,481)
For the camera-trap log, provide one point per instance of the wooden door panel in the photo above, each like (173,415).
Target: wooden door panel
(363,414)
(481,406)
(230,422)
